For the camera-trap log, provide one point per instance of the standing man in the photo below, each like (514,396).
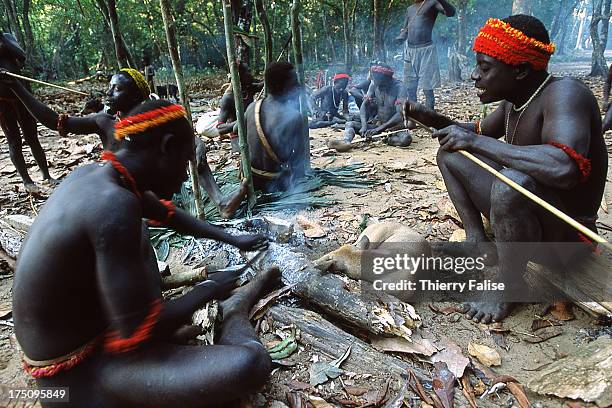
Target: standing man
(14,116)
(420,54)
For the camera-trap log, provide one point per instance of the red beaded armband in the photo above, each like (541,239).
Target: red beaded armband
(114,343)
(170,207)
(584,164)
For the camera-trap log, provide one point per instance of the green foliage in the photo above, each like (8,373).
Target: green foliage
(70,38)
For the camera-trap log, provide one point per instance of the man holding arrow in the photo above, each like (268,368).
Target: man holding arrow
(14,115)
(553,147)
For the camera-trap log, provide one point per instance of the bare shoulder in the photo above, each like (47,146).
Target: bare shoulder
(570,92)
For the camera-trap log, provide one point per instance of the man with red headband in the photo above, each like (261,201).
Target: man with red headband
(88,312)
(380,110)
(552,146)
(326,103)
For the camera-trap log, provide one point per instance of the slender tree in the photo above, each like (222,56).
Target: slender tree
(178,73)
(599,36)
(242,136)
(299,66)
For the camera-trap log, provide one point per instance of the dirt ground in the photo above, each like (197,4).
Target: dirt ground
(409,191)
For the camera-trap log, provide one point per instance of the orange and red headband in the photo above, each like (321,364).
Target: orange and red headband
(379,69)
(340,76)
(501,41)
(143,121)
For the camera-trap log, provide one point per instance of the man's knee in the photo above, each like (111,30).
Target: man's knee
(505,198)
(14,143)
(255,366)
(448,160)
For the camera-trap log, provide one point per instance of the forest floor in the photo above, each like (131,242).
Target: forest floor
(409,190)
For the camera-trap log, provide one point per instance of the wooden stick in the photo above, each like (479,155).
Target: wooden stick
(44,83)
(552,209)
(245,157)
(166,10)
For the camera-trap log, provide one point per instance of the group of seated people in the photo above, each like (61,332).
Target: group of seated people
(87,301)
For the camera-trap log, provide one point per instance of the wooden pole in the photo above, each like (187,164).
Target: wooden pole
(43,83)
(242,136)
(178,74)
(299,66)
(542,203)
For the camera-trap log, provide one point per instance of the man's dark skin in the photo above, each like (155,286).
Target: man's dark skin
(566,112)
(282,125)
(227,116)
(360,90)
(14,116)
(94,279)
(326,113)
(383,103)
(417,31)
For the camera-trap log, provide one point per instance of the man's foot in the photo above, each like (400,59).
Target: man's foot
(485,249)
(339,145)
(486,312)
(229,205)
(31,188)
(51,181)
(349,135)
(245,297)
(401,139)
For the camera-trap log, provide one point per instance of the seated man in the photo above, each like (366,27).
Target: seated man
(13,115)
(381,110)
(275,131)
(326,102)
(554,148)
(95,320)
(127,89)
(227,115)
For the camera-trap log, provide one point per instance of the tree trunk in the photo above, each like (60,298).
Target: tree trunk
(521,7)
(377,44)
(462,26)
(27,28)
(330,39)
(598,62)
(296,34)
(582,17)
(242,136)
(242,13)
(348,36)
(124,58)
(561,36)
(265,24)
(13,20)
(178,73)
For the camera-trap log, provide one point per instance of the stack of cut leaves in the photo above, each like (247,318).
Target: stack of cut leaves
(305,194)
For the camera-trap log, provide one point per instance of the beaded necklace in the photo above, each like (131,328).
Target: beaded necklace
(523,109)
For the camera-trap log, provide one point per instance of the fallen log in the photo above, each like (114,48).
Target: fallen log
(10,240)
(588,286)
(326,338)
(385,316)
(183,279)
